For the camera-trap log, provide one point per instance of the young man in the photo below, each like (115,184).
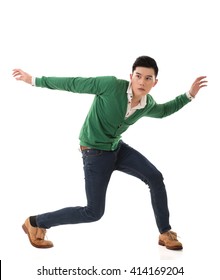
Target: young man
(117,105)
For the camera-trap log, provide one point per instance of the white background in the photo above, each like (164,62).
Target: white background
(41,167)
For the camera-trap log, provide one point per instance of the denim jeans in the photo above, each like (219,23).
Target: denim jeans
(98,167)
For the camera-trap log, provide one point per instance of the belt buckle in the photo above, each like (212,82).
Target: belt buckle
(83,148)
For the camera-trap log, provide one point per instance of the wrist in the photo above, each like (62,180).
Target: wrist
(33,81)
(189,96)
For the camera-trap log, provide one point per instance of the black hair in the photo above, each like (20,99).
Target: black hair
(145,61)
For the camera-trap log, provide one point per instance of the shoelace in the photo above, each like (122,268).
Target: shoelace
(172,235)
(41,232)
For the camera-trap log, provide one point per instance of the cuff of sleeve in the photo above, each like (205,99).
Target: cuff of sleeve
(33,81)
(189,96)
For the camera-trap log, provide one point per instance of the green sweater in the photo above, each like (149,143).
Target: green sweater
(106,120)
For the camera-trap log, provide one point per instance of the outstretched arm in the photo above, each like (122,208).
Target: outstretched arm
(170,107)
(197,85)
(91,85)
(20,75)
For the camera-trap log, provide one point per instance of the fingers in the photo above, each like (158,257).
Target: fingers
(20,75)
(200,78)
(199,83)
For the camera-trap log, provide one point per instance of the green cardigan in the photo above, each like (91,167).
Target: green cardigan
(106,121)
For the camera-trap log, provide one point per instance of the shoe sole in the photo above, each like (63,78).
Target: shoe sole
(170,248)
(36,246)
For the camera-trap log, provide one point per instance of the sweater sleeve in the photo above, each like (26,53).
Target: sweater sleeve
(168,108)
(96,85)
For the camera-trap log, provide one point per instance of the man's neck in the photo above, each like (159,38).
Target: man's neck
(135,101)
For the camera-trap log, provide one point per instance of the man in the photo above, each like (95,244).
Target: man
(117,105)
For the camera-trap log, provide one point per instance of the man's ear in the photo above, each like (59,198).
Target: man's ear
(156,81)
(131,76)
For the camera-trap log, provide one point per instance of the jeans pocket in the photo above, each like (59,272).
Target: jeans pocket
(91,153)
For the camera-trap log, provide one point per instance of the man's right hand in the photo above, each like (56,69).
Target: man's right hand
(20,75)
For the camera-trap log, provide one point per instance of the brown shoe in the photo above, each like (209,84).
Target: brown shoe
(36,235)
(169,239)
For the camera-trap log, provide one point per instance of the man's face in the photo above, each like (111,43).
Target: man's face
(142,81)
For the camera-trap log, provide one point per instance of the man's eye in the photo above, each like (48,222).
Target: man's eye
(149,78)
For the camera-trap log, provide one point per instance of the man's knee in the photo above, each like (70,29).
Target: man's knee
(94,215)
(156,181)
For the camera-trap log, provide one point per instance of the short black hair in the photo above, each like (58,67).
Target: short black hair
(145,61)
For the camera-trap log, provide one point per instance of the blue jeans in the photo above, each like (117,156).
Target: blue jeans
(98,167)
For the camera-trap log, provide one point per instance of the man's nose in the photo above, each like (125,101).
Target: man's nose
(141,82)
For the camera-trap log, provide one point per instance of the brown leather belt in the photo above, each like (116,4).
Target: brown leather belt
(82,148)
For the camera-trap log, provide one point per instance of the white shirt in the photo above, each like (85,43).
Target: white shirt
(141,104)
